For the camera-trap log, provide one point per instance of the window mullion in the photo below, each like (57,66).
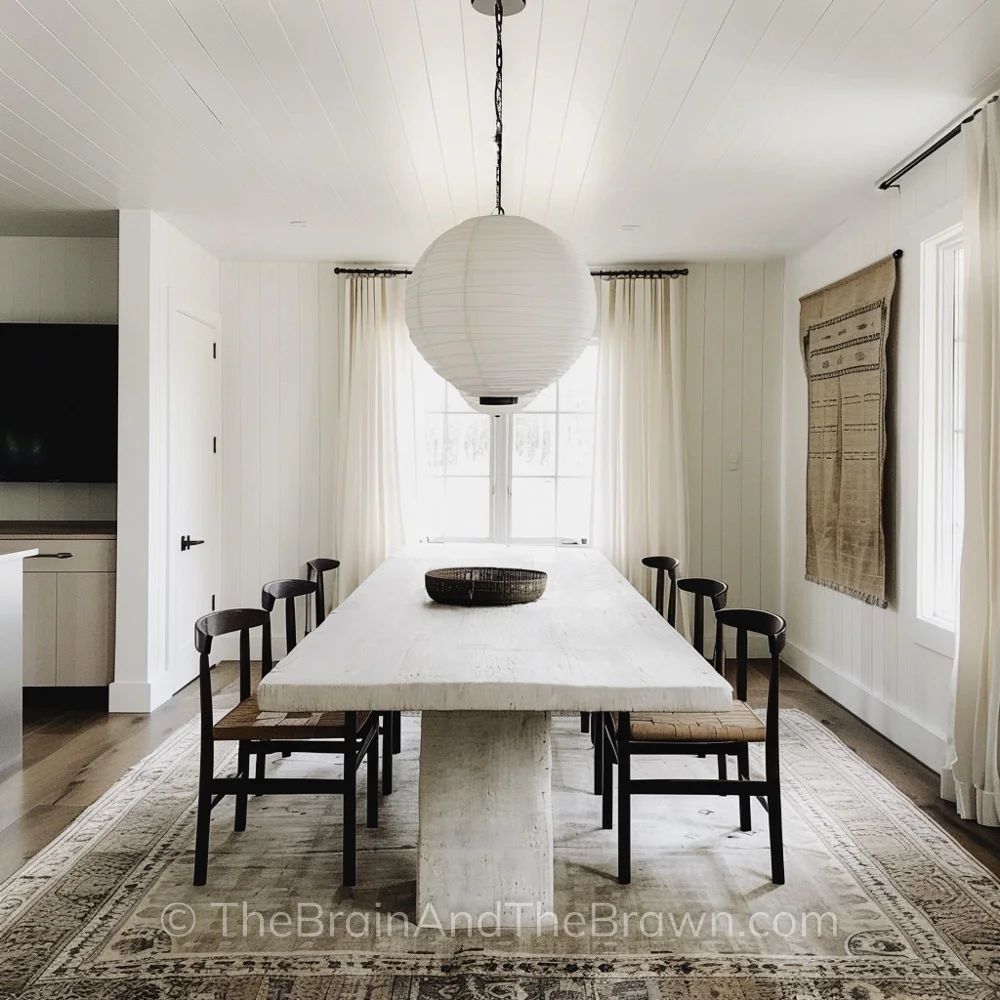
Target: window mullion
(500,491)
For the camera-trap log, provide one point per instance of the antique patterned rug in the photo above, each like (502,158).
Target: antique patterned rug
(879,901)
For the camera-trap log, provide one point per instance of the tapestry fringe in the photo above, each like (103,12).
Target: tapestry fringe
(860,595)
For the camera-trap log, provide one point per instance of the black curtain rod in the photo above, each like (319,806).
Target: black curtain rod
(677,272)
(930,150)
(388,272)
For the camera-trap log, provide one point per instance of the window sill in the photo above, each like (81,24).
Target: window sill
(934,636)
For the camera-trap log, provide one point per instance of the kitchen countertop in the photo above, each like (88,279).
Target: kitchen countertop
(59,529)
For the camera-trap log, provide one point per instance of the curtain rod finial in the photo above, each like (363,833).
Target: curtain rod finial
(897,254)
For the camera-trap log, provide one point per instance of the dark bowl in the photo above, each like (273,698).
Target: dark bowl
(484,586)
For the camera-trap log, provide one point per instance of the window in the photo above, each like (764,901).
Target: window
(456,465)
(941,433)
(521,477)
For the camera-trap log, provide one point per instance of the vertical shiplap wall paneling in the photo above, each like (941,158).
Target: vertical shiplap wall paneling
(309,395)
(733,406)
(269,300)
(771,435)
(233,356)
(874,661)
(751,432)
(710,499)
(330,308)
(280,328)
(694,402)
(50,279)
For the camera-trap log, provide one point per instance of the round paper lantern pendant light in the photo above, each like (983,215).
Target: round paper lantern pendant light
(500,306)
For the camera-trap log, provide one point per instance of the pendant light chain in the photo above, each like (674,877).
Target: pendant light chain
(498,101)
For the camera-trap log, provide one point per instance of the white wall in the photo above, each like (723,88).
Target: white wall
(50,279)
(280,335)
(158,265)
(867,658)
(732,405)
(281,328)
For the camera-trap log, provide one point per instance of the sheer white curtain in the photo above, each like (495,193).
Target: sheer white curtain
(376,446)
(640,491)
(971,777)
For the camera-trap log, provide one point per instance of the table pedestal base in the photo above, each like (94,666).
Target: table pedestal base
(485,842)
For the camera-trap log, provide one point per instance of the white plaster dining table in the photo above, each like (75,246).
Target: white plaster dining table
(486,681)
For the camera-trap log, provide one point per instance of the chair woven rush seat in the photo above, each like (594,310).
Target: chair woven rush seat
(740,723)
(247,721)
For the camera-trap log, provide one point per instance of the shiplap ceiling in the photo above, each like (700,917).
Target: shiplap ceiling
(718,127)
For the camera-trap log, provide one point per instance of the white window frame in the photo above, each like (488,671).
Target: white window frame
(939,453)
(506,445)
(501,484)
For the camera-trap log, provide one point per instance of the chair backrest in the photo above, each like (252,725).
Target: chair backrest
(745,621)
(319,567)
(287,591)
(665,565)
(218,623)
(704,589)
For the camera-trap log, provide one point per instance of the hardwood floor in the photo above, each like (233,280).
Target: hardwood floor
(71,757)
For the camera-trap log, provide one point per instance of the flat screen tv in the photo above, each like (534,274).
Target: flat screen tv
(58,403)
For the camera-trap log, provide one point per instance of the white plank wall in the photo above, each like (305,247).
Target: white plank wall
(53,279)
(869,659)
(280,334)
(732,398)
(280,328)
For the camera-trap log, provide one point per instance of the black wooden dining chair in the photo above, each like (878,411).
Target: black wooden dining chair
(705,589)
(288,591)
(353,735)
(664,567)
(715,591)
(392,723)
(318,568)
(702,733)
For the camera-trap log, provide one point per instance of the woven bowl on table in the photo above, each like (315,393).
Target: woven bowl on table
(484,586)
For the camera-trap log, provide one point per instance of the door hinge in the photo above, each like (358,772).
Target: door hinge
(215,444)
(213,602)
(214,345)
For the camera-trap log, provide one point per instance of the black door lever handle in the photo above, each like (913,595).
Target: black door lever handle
(187,542)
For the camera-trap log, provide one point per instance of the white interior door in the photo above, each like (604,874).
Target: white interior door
(194,517)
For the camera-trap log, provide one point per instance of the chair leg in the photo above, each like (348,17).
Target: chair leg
(743,772)
(774,829)
(243,771)
(607,783)
(722,767)
(598,752)
(204,820)
(774,814)
(387,725)
(372,789)
(397,732)
(585,722)
(624,799)
(350,812)
(261,769)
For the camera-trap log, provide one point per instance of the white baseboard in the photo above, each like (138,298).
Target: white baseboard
(916,739)
(130,697)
